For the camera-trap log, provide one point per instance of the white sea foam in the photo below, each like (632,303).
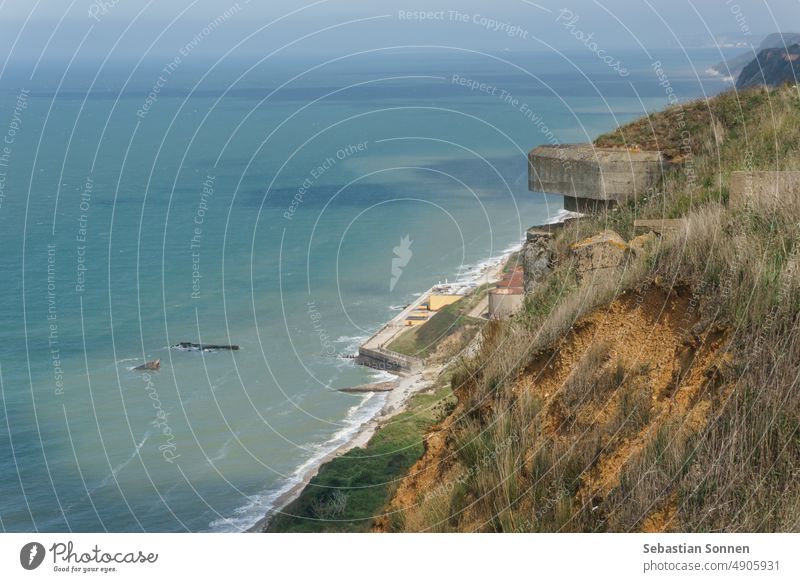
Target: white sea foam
(260,504)
(111,477)
(370,406)
(474,275)
(562,215)
(222,452)
(382,375)
(351,342)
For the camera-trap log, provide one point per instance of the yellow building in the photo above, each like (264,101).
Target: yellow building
(418,317)
(437,301)
(414,320)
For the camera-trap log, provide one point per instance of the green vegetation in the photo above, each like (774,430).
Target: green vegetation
(451,321)
(753,129)
(734,471)
(683,130)
(423,340)
(599,449)
(351,490)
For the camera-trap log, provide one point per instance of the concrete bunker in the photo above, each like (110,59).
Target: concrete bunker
(592,178)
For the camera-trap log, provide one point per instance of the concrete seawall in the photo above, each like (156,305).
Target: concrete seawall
(383,359)
(372,352)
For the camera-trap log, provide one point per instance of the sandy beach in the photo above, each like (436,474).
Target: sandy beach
(407,384)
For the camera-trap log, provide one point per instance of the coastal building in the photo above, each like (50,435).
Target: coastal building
(508,295)
(417,317)
(504,302)
(439,297)
(513,278)
(438,300)
(424,312)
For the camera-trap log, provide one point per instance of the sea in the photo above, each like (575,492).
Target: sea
(289,206)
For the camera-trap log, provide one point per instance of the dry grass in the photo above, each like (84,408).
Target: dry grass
(732,466)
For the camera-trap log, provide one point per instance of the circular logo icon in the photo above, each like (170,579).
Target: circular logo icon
(31,555)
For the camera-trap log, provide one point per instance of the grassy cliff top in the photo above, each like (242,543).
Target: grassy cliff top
(685,129)
(660,398)
(707,140)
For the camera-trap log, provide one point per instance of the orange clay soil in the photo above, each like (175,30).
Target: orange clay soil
(652,332)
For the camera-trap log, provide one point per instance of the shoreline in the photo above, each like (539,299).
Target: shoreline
(407,384)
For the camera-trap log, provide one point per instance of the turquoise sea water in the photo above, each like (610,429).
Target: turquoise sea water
(260,211)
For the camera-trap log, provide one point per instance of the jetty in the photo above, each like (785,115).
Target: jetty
(366,388)
(191,346)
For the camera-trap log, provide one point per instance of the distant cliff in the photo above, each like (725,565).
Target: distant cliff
(733,67)
(772,67)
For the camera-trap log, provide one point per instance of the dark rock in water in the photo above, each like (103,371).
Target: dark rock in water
(151,365)
(772,67)
(203,347)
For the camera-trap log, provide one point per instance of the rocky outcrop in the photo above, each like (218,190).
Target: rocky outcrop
(602,252)
(193,347)
(537,257)
(366,388)
(772,67)
(640,244)
(151,365)
(657,225)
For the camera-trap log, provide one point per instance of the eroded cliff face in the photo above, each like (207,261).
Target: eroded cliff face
(537,258)
(604,394)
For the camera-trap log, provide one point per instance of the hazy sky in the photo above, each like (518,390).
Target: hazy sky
(57,28)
